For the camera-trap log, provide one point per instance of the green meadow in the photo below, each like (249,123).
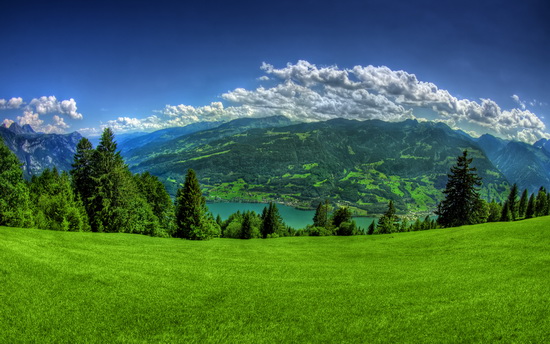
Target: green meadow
(474,284)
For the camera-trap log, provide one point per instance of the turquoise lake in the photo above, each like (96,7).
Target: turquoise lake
(293,217)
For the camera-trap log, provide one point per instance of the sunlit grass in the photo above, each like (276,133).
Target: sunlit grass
(487,283)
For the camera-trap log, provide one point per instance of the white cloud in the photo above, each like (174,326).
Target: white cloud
(305,92)
(31,118)
(264,78)
(521,103)
(46,105)
(13,103)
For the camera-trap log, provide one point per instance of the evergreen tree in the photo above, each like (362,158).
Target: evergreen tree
(55,204)
(246,228)
(15,205)
(192,218)
(372,228)
(116,205)
(271,221)
(154,192)
(321,218)
(495,212)
(82,173)
(506,214)
(461,195)
(341,215)
(513,202)
(541,203)
(530,212)
(522,206)
(389,222)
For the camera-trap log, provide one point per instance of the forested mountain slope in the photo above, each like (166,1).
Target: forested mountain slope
(360,163)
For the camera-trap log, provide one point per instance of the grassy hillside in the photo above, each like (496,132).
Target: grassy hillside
(361,164)
(486,283)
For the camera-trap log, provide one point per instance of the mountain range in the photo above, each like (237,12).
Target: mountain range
(362,164)
(38,151)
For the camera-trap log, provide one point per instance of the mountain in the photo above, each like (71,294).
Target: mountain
(526,165)
(170,145)
(163,135)
(39,151)
(360,163)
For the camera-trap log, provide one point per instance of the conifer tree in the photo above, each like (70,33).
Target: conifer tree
(389,222)
(81,172)
(271,221)
(522,206)
(461,195)
(15,206)
(321,218)
(341,215)
(506,214)
(192,218)
(152,189)
(495,212)
(530,212)
(513,202)
(541,203)
(246,227)
(372,228)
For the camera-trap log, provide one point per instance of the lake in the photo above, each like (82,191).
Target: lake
(293,217)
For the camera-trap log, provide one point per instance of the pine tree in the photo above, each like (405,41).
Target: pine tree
(495,212)
(81,173)
(321,218)
(461,195)
(522,206)
(506,214)
(389,222)
(530,212)
(541,203)
(372,228)
(192,218)
(15,206)
(271,221)
(341,215)
(246,227)
(513,202)
(152,189)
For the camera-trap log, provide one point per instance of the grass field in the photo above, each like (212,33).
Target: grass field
(487,283)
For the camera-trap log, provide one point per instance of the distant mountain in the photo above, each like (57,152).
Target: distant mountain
(166,144)
(163,135)
(40,151)
(360,163)
(526,165)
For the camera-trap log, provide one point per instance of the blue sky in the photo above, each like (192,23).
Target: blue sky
(477,65)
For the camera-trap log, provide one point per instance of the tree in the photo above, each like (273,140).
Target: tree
(154,192)
(389,222)
(192,218)
(541,203)
(530,212)
(81,173)
(372,228)
(461,195)
(271,221)
(522,206)
(495,212)
(341,215)
(513,202)
(246,228)
(55,204)
(321,219)
(15,206)
(506,214)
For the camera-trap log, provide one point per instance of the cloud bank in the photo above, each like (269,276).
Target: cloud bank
(34,112)
(305,92)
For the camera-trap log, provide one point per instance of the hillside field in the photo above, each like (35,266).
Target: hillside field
(486,283)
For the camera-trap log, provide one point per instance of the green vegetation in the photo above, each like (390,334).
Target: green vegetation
(484,283)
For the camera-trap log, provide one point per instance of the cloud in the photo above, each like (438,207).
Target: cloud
(46,105)
(13,103)
(306,92)
(521,103)
(7,122)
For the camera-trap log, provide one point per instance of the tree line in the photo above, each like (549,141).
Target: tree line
(100,194)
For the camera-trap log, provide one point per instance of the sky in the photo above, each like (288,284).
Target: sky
(481,66)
